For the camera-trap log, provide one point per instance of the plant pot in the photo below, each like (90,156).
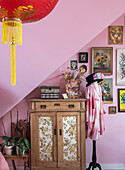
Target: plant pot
(8,150)
(17,152)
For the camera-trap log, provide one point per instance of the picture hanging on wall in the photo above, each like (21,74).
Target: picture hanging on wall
(107,90)
(121,100)
(73,64)
(83,57)
(102,60)
(112,109)
(115,34)
(120,66)
(83,69)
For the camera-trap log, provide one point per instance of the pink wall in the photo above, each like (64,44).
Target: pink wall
(110,149)
(49,43)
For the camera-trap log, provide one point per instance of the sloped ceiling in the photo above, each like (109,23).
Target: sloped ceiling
(49,43)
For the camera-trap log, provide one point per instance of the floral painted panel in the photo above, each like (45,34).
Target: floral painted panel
(69,138)
(46,138)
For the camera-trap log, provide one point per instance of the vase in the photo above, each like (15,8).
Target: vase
(73,88)
(17,152)
(8,150)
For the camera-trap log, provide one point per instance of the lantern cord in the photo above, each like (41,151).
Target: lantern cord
(13,64)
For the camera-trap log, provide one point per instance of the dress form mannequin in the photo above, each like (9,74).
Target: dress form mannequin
(94,114)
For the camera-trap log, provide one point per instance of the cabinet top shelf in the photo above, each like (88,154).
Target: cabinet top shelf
(57,100)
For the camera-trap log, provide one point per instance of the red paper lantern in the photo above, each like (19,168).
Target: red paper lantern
(15,12)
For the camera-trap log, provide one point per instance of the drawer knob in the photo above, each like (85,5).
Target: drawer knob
(43,106)
(56,104)
(60,131)
(71,105)
(54,131)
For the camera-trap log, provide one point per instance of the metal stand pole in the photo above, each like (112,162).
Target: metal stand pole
(94,164)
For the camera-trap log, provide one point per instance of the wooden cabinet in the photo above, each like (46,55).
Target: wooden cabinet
(58,134)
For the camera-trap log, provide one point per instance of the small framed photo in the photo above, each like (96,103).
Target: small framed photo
(115,34)
(83,57)
(112,109)
(73,64)
(121,100)
(102,59)
(83,69)
(64,95)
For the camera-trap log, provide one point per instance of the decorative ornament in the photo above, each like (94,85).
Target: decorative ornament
(13,13)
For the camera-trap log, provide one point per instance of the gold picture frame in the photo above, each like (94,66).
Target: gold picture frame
(102,59)
(112,109)
(83,69)
(115,34)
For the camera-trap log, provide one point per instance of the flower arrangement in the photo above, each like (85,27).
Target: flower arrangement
(101,60)
(74,74)
(116,34)
(106,91)
(73,79)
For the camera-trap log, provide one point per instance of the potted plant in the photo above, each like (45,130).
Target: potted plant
(8,144)
(22,144)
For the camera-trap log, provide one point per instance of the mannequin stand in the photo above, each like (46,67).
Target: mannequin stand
(94,164)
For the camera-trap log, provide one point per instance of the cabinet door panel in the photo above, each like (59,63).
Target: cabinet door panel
(69,140)
(46,138)
(45,145)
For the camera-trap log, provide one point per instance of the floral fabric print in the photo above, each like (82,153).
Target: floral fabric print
(46,138)
(69,138)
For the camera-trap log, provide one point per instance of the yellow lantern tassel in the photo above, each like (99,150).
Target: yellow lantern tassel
(12,34)
(13,65)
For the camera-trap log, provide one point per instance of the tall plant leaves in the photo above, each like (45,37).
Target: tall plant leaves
(19,130)
(27,143)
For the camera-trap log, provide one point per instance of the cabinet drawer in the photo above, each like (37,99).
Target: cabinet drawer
(39,106)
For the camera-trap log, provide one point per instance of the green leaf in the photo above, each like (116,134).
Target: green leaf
(20,151)
(20,140)
(5,138)
(5,143)
(19,131)
(27,143)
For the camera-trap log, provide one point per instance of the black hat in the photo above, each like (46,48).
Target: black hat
(94,77)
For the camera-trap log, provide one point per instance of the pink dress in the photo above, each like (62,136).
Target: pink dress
(95,124)
(3,163)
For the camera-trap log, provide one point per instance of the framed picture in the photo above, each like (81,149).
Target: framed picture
(107,90)
(83,57)
(121,67)
(102,60)
(115,34)
(83,69)
(121,100)
(73,64)
(112,109)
